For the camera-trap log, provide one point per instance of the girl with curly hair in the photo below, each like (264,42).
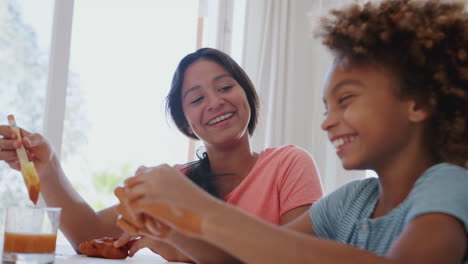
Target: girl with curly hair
(396,102)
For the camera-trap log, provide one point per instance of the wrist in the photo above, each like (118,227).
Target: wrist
(51,169)
(214,218)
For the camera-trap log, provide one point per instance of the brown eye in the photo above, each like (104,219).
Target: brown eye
(197,100)
(226,88)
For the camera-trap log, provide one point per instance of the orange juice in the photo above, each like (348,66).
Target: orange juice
(24,243)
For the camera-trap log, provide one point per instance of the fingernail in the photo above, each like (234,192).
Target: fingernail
(16,144)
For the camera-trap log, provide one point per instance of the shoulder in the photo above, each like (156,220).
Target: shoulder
(441,189)
(440,180)
(289,152)
(444,173)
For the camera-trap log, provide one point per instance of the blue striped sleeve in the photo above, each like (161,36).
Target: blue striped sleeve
(327,213)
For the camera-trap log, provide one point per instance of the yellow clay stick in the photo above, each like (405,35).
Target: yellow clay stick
(28,169)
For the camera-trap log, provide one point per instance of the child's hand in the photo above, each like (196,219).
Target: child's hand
(161,248)
(37,147)
(167,195)
(134,224)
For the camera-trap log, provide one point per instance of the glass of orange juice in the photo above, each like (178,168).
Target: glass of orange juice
(30,234)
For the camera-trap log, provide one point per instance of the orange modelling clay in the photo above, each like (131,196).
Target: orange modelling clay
(125,210)
(104,248)
(182,218)
(134,224)
(157,228)
(31,179)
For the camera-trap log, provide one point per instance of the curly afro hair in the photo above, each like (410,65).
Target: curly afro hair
(426,44)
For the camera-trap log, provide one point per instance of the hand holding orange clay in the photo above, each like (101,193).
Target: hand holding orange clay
(126,215)
(165,194)
(31,179)
(136,224)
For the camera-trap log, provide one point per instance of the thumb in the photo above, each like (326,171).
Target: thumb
(124,239)
(33,140)
(139,244)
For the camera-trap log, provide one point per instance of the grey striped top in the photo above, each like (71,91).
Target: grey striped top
(344,215)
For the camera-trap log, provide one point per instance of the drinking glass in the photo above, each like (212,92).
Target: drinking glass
(30,235)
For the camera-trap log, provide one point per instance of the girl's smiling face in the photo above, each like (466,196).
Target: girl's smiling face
(365,120)
(214,104)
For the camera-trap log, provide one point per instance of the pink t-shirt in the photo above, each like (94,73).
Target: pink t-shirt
(282,179)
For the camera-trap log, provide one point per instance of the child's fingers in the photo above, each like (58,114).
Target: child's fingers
(133,181)
(183,220)
(127,227)
(123,239)
(124,210)
(120,193)
(157,228)
(139,244)
(135,194)
(141,169)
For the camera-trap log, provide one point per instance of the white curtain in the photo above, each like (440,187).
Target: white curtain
(288,66)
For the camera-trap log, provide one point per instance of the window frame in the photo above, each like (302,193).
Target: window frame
(216,33)
(54,112)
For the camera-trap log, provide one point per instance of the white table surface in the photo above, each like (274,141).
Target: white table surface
(64,253)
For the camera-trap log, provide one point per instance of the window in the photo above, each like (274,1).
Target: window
(92,76)
(123,56)
(25,33)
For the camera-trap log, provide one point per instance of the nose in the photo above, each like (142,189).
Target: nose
(330,121)
(215,102)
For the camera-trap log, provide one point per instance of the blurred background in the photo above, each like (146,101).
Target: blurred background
(92,76)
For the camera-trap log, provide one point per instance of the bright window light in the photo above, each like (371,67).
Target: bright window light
(123,56)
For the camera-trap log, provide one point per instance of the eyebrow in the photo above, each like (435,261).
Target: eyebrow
(196,87)
(191,90)
(339,85)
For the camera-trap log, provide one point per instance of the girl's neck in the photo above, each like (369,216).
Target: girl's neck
(398,176)
(233,163)
(236,160)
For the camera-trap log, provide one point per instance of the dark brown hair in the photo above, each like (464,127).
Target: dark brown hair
(426,44)
(200,171)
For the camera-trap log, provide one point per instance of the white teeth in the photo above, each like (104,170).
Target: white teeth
(342,140)
(220,118)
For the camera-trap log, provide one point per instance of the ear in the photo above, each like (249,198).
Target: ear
(416,112)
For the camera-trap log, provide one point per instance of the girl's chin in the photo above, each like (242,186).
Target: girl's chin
(349,165)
